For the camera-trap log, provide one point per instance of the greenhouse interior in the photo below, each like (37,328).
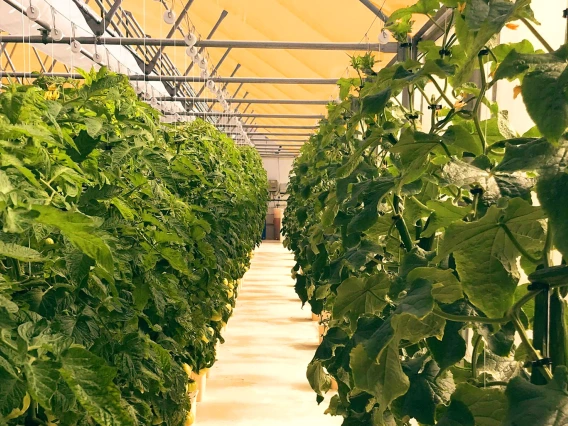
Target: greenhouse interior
(283,212)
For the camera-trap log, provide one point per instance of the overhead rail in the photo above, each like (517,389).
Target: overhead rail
(192,79)
(224,114)
(248,101)
(390,47)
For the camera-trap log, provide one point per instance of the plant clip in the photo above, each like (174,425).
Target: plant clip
(538,285)
(435,107)
(476,191)
(565,13)
(445,52)
(483,52)
(539,363)
(406,44)
(412,116)
(44,34)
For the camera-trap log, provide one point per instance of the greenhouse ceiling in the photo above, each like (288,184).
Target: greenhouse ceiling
(271,65)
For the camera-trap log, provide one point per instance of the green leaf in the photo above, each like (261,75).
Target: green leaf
(384,379)
(444,214)
(459,139)
(358,296)
(42,378)
(427,389)
(319,380)
(552,191)
(374,104)
(484,255)
(81,231)
(446,288)
(531,155)
(12,393)
(91,380)
(544,405)
(487,406)
(21,253)
(456,414)
(544,96)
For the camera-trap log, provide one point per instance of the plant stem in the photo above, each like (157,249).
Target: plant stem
(526,341)
(478,103)
(476,345)
(537,35)
(442,93)
(523,252)
(490,384)
(468,318)
(401,225)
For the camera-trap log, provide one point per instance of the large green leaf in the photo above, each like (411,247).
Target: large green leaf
(384,379)
(552,190)
(43,378)
(91,380)
(427,389)
(486,257)
(444,214)
(487,406)
(81,231)
(18,252)
(446,288)
(543,405)
(358,296)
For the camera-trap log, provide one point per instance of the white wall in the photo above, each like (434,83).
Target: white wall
(278,168)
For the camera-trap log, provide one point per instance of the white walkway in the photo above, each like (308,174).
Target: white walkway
(260,378)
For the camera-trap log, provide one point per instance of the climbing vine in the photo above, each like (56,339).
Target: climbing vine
(120,242)
(436,240)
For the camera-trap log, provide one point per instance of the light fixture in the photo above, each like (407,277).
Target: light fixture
(190,39)
(204,74)
(75,46)
(33,13)
(169,17)
(211,85)
(154,102)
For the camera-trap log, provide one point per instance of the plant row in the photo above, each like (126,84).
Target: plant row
(121,239)
(436,238)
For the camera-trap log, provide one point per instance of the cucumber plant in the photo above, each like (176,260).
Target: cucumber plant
(437,239)
(120,239)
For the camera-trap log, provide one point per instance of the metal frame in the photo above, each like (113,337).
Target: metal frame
(391,47)
(380,14)
(249,115)
(178,78)
(247,101)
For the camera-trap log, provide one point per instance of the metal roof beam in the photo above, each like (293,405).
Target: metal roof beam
(380,14)
(247,101)
(390,47)
(249,115)
(162,78)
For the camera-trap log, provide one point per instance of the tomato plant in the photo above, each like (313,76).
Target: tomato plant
(437,239)
(120,240)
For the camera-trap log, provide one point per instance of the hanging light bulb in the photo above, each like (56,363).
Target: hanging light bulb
(204,74)
(211,85)
(154,102)
(192,52)
(33,13)
(56,34)
(169,17)
(190,39)
(75,46)
(147,95)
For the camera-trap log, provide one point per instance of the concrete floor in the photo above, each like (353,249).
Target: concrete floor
(260,377)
